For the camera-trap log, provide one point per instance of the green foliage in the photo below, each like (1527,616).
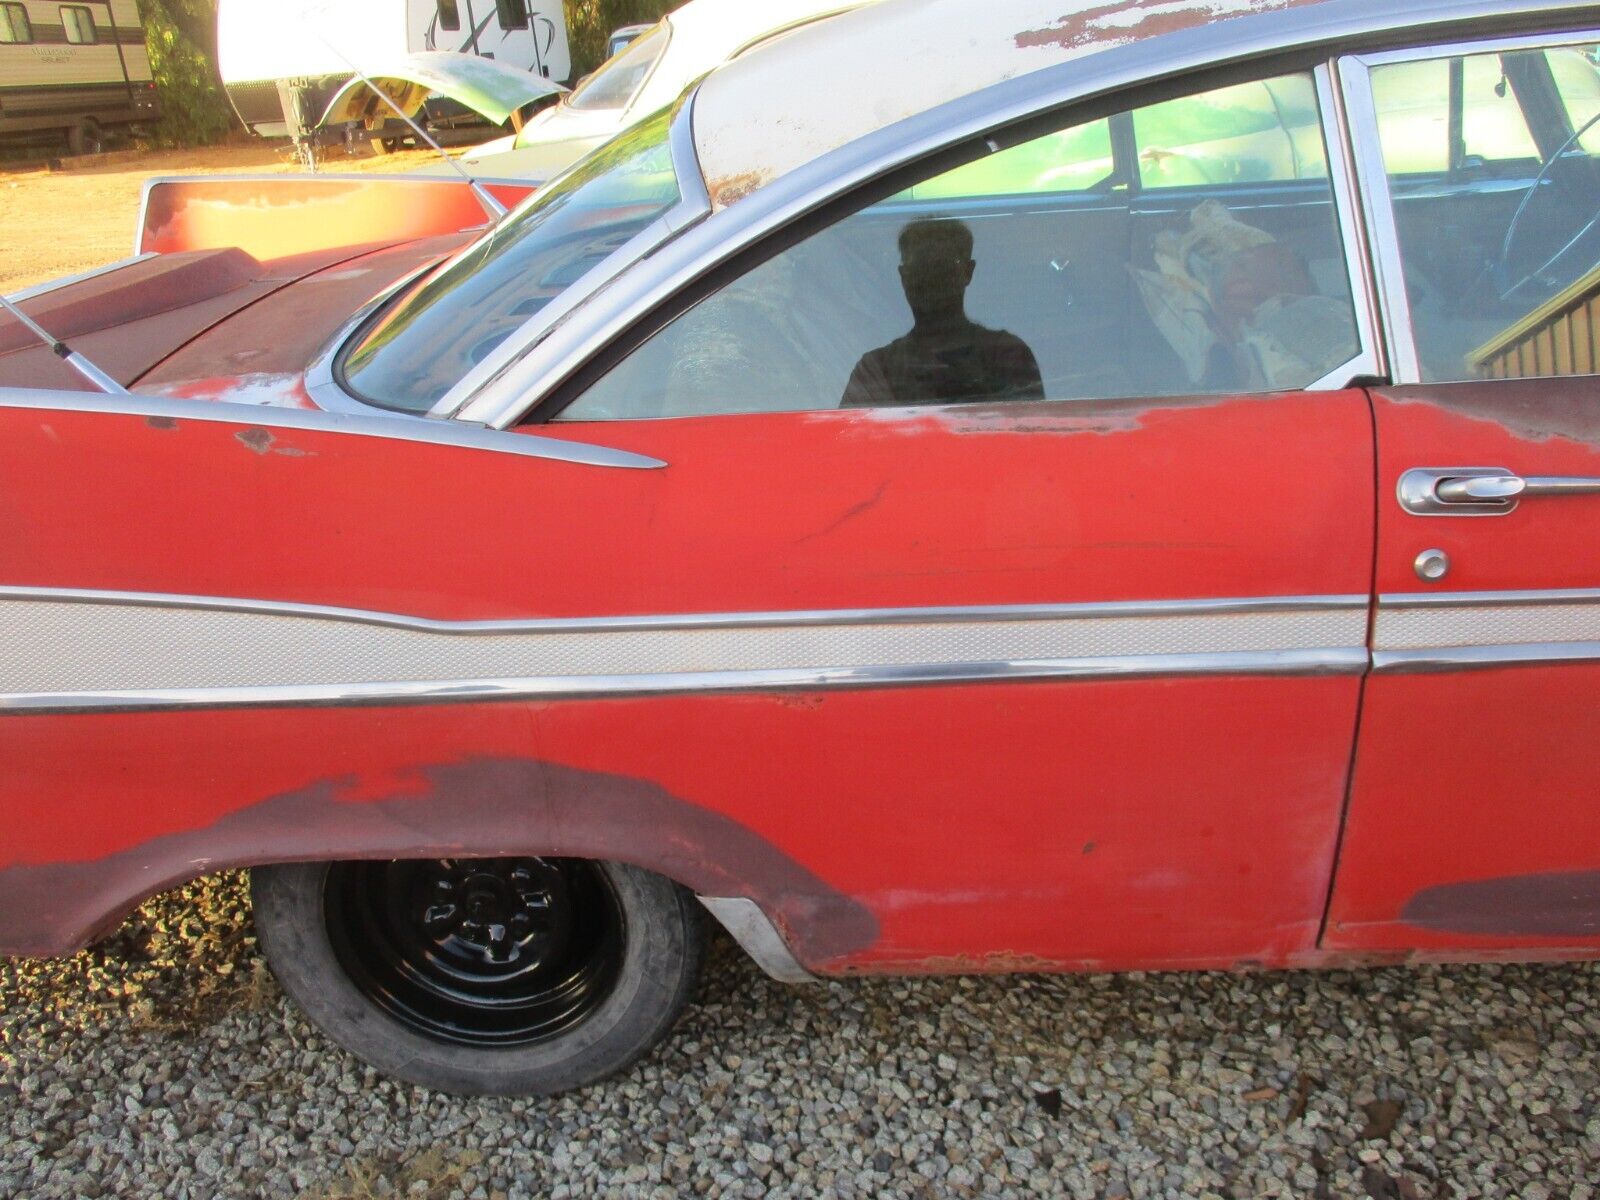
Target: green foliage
(180,36)
(590,22)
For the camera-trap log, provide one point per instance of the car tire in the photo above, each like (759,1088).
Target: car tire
(86,137)
(483,976)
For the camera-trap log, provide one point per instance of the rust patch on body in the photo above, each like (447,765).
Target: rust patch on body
(733,188)
(481,807)
(1535,410)
(257,441)
(1117,22)
(161,422)
(1562,904)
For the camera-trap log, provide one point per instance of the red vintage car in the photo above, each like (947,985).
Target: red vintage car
(970,488)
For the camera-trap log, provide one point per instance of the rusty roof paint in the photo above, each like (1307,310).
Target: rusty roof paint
(821,87)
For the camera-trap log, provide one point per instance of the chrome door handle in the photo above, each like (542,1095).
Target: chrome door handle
(1481,491)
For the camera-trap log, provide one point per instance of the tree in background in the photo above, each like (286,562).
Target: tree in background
(181,36)
(590,22)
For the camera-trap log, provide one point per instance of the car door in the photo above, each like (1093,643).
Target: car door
(1172,801)
(1475,812)
(1026,658)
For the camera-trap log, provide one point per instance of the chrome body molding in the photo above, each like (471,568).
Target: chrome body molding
(543,355)
(78,651)
(758,937)
(1478,658)
(369,423)
(733,620)
(1342,661)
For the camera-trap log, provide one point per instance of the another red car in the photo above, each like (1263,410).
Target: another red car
(968,489)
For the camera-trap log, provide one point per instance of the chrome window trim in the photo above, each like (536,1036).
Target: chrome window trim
(321,382)
(1372,359)
(1222,606)
(694,205)
(1377,197)
(52,285)
(369,423)
(544,363)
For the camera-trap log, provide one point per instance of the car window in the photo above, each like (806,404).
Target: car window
(1030,274)
(513,14)
(1259,132)
(14,26)
(78,22)
(449,15)
(431,336)
(618,79)
(1499,235)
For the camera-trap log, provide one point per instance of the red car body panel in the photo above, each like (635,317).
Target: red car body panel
(1474,820)
(1106,823)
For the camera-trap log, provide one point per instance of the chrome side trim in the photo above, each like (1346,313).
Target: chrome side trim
(758,937)
(735,620)
(1551,596)
(1340,661)
(393,426)
(546,358)
(44,289)
(1477,658)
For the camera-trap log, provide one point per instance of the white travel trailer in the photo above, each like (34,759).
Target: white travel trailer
(262,44)
(72,70)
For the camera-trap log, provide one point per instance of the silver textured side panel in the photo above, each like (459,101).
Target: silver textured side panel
(1459,631)
(98,651)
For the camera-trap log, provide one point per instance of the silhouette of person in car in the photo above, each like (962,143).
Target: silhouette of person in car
(947,358)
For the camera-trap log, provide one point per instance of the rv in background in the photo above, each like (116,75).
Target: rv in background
(71,71)
(264,44)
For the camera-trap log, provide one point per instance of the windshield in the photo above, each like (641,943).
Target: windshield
(448,323)
(614,84)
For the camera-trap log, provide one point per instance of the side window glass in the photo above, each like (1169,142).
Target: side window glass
(449,16)
(1263,132)
(512,14)
(14,26)
(78,23)
(1493,163)
(1036,272)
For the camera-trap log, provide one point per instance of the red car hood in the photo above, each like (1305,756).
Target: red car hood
(211,324)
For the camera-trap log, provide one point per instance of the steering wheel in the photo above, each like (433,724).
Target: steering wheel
(1502,266)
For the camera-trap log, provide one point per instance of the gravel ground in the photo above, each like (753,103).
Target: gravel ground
(166,1063)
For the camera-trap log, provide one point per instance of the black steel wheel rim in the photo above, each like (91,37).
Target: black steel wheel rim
(478,952)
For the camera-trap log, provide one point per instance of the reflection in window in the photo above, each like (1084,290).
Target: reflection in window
(78,22)
(1046,270)
(449,16)
(1494,167)
(14,26)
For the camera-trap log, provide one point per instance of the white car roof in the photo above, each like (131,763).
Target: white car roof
(819,87)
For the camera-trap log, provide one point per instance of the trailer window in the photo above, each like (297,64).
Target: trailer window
(14,27)
(78,21)
(513,13)
(449,16)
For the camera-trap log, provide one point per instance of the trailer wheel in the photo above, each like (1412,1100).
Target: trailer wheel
(387,145)
(506,976)
(86,137)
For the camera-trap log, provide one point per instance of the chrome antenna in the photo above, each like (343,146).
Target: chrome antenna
(66,353)
(491,206)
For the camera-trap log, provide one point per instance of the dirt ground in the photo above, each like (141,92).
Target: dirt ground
(55,223)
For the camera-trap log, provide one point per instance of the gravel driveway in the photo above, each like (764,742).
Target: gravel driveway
(166,1063)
